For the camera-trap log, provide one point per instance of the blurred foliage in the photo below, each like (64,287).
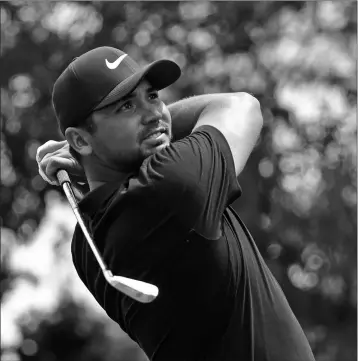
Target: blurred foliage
(69,334)
(299,201)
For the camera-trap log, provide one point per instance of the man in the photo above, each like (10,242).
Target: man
(159,211)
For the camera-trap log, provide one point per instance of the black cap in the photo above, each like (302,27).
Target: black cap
(101,77)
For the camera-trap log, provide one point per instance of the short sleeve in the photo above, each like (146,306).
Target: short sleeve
(194,178)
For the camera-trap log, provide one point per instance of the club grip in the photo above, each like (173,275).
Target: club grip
(62,177)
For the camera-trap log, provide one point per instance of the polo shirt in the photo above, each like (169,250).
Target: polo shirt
(172,225)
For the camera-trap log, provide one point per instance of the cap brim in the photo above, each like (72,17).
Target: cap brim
(159,74)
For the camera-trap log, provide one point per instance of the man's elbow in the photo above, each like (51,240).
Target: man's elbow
(245,103)
(246,127)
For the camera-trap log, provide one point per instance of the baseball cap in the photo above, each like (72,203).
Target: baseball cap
(100,77)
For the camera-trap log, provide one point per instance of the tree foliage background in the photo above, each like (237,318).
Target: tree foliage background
(299,201)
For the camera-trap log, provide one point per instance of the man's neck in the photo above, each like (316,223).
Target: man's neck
(98,174)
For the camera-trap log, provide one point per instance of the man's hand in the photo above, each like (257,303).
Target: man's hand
(53,156)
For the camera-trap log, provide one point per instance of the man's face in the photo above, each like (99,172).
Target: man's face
(124,135)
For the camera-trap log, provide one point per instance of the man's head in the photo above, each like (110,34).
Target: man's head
(106,105)
(124,133)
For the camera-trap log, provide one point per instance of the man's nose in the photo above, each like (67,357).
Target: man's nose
(151,114)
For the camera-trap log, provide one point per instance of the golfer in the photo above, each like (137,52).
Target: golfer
(161,180)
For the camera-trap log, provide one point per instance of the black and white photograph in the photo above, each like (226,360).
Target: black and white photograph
(178,180)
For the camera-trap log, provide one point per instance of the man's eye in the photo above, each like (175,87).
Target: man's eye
(154,95)
(126,106)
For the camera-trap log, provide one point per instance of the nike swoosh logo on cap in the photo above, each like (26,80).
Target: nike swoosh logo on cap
(115,64)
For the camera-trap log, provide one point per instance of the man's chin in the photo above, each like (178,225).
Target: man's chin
(161,146)
(153,145)
(155,148)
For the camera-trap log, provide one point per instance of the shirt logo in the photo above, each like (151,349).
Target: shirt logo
(115,64)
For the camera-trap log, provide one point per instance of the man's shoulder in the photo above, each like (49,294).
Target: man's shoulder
(183,161)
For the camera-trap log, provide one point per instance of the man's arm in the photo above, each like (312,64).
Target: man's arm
(185,113)
(236,115)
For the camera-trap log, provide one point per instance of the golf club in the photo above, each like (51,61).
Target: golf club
(138,290)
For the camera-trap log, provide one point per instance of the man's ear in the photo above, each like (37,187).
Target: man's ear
(78,140)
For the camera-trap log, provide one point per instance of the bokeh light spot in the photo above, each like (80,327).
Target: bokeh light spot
(266,168)
(274,250)
(29,347)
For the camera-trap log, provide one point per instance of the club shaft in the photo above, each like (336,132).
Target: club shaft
(72,200)
(138,290)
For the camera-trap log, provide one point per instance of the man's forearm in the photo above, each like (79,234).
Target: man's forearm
(238,116)
(186,112)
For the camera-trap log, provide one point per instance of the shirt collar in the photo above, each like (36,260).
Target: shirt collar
(93,200)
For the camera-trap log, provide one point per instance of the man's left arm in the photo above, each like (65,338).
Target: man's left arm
(236,115)
(186,112)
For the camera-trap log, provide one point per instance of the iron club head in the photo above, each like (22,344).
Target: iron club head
(140,291)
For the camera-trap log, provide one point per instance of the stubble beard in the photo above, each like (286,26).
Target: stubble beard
(130,164)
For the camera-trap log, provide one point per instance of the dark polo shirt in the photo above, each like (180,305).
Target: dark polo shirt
(172,226)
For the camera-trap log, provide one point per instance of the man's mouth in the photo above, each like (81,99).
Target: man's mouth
(156,133)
